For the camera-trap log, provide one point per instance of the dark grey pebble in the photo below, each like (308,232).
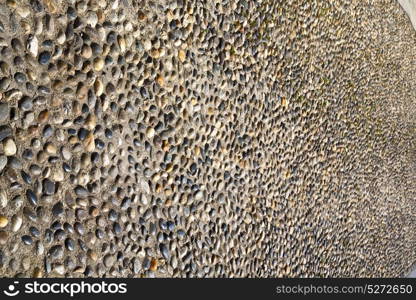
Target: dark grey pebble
(99,234)
(56,225)
(5,131)
(15,163)
(34,232)
(26,177)
(117,228)
(48,187)
(31,197)
(112,215)
(81,191)
(56,252)
(79,228)
(19,77)
(47,131)
(82,133)
(27,240)
(59,235)
(27,154)
(26,103)
(28,213)
(58,209)
(108,133)
(70,244)
(146,263)
(48,237)
(69,228)
(44,57)
(67,168)
(164,250)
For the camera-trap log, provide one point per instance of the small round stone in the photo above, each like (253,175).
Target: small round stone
(31,197)
(20,77)
(108,260)
(81,192)
(47,131)
(51,148)
(9,147)
(58,209)
(27,240)
(26,103)
(3,221)
(34,232)
(44,57)
(56,252)
(5,132)
(165,251)
(16,223)
(70,244)
(49,187)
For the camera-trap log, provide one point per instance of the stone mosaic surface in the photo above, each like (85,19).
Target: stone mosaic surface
(224,138)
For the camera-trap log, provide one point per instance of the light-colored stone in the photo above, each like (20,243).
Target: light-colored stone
(98,64)
(16,223)
(89,142)
(58,175)
(3,198)
(98,87)
(33,46)
(9,147)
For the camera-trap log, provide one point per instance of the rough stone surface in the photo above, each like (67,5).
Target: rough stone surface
(224,138)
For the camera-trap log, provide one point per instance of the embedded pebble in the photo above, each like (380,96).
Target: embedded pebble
(5,132)
(44,57)
(9,147)
(3,237)
(225,138)
(3,221)
(3,162)
(16,223)
(33,46)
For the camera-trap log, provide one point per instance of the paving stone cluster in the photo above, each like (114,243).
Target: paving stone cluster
(223,138)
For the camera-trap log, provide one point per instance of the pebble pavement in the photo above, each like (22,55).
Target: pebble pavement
(217,138)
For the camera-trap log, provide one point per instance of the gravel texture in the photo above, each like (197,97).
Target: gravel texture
(207,138)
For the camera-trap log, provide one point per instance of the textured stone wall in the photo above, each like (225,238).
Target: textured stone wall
(215,138)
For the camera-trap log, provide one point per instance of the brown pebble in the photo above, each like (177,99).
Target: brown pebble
(43,116)
(153,264)
(3,221)
(37,273)
(3,237)
(160,80)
